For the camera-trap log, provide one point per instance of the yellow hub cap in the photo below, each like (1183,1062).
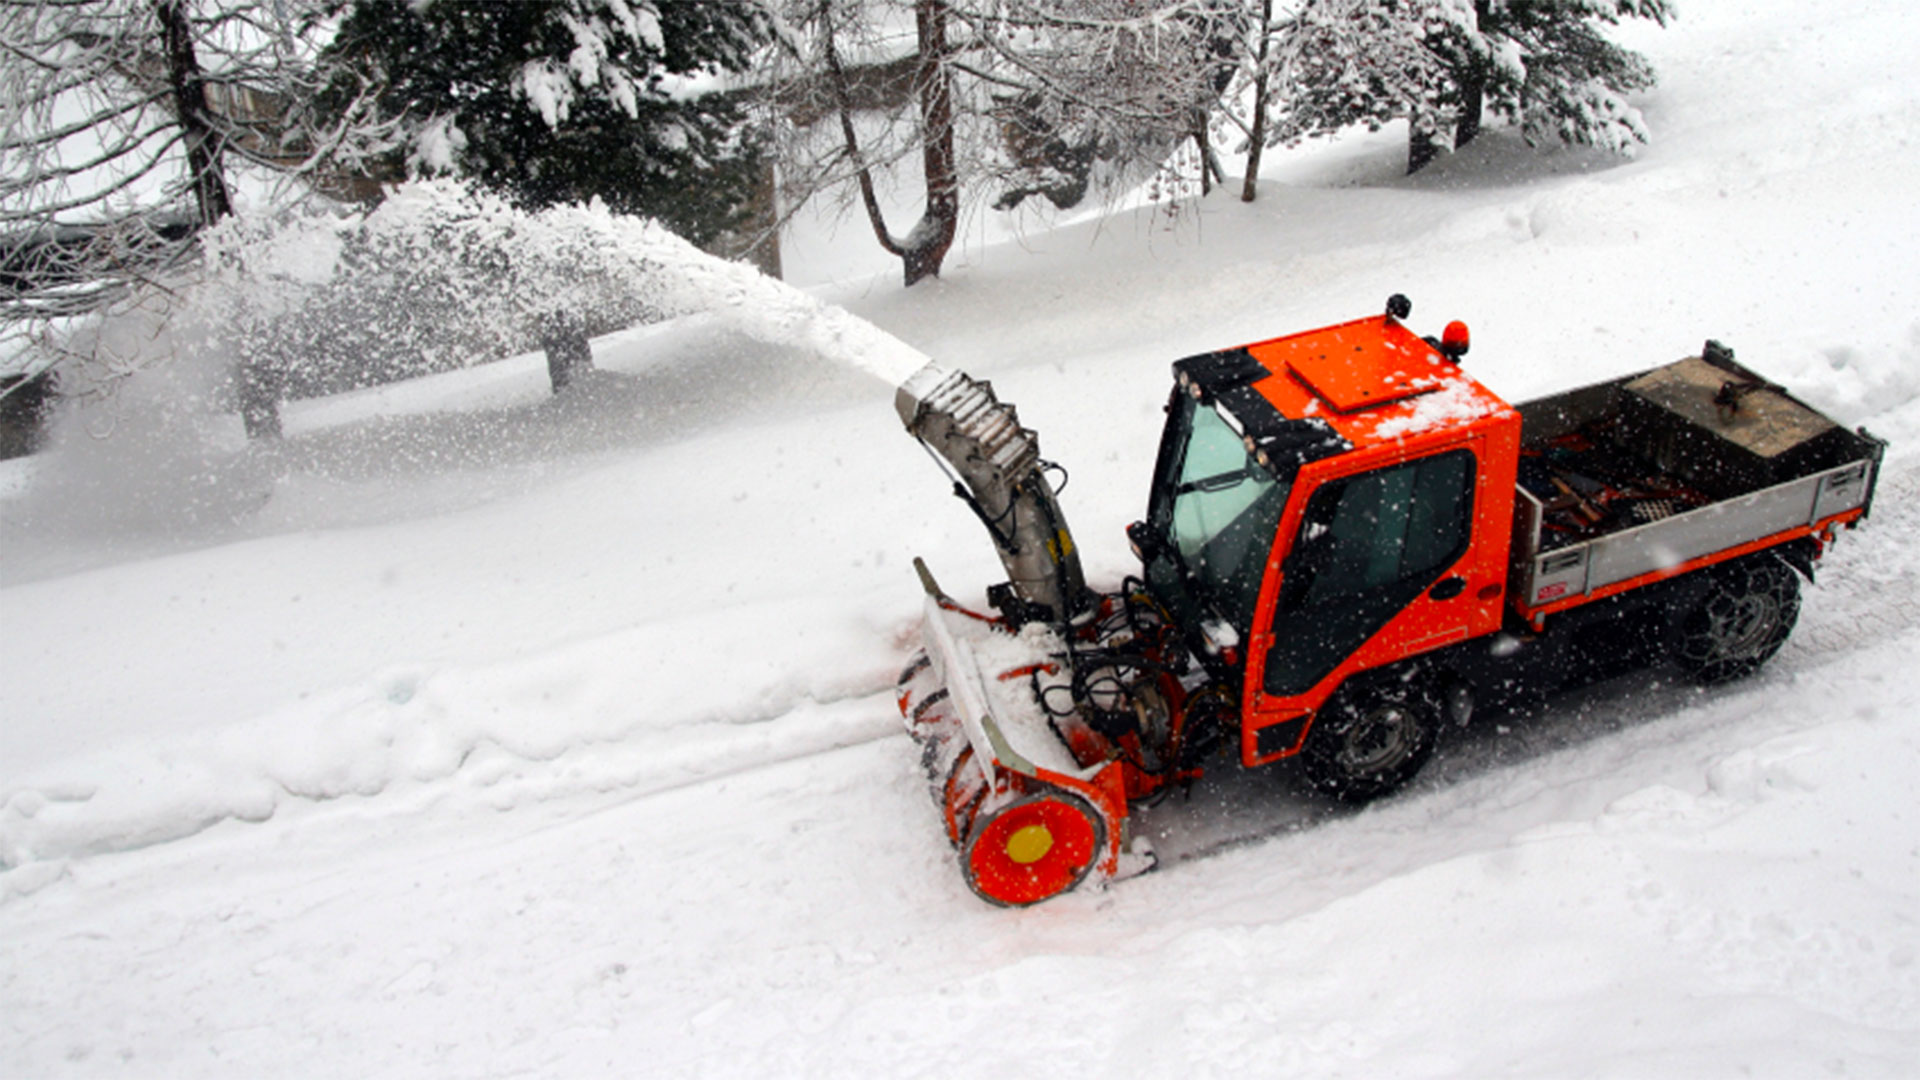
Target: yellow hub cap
(1029,845)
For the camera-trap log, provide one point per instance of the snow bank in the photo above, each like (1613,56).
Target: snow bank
(640,710)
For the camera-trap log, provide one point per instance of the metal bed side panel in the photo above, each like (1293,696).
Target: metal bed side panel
(1663,545)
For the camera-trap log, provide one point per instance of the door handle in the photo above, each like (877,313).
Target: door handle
(1448,588)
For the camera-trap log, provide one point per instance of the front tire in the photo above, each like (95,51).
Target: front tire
(1369,742)
(1741,619)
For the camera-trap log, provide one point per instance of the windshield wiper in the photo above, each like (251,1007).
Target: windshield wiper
(1217,482)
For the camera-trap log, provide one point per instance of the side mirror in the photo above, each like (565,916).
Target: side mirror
(1145,543)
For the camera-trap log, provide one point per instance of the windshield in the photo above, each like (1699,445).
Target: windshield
(1218,509)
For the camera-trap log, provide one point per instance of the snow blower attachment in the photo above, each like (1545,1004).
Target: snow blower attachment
(1030,793)
(1348,541)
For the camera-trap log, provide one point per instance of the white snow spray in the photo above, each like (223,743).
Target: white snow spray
(775,312)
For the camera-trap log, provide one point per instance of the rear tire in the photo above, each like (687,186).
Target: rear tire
(1741,619)
(1033,848)
(1368,742)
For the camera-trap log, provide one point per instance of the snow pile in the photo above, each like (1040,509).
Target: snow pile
(624,711)
(1009,676)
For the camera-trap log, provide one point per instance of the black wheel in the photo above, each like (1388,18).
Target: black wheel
(1367,742)
(1739,621)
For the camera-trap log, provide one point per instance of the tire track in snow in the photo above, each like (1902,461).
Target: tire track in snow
(642,768)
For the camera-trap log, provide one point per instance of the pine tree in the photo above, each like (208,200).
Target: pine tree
(1443,65)
(1346,62)
(1546,65)
(561,101)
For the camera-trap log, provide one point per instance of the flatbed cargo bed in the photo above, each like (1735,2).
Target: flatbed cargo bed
(1650,474)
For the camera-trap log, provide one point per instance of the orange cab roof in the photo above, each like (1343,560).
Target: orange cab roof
(1373,380)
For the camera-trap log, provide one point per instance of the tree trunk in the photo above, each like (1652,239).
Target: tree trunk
(1206,174)
(259,388)
(259,400)
(930,240)
(766,215)
(564,338)
(1256,140)
(925,248)
(189,85)
(1421,147)
(1473,98)
(1210,170)
(1257,137)
(25,403)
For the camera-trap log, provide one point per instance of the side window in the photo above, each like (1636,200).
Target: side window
(1367,546)
(1440,523)
(1372,530)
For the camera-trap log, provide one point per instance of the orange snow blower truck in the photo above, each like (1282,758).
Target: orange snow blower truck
(1349,541)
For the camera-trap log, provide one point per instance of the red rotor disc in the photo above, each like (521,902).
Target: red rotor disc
(1034,848)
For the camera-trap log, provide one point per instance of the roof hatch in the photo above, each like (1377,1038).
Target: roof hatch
(1362,364)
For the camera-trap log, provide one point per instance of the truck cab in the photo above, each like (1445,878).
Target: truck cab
(1325,504)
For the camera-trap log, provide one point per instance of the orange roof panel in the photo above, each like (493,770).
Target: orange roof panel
(1362,364)
(1373,381)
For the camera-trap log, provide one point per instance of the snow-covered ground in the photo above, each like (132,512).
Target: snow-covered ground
(473,733)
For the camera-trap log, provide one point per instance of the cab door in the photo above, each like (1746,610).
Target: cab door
(1372,571)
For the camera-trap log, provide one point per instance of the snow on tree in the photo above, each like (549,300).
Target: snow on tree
(1083,82)
(122,123)
(562,101)
(1442,65)
(1547,65)
(924,248)
(1018,97)
(1347,62)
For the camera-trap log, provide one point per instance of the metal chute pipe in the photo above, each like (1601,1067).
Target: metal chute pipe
(999,472)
